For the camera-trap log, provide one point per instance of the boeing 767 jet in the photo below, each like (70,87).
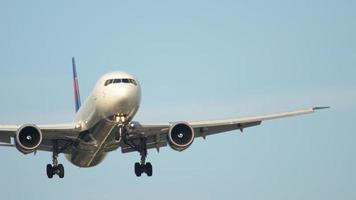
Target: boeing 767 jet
(105,122)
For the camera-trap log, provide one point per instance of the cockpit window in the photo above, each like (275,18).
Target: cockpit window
(133,82)
(117,81)
(125,80)
(108,82)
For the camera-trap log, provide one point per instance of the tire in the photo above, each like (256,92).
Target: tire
(49,171)
(138,170)
(61,171)
(148,169)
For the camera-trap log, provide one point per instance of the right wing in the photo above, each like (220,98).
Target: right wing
(64,134)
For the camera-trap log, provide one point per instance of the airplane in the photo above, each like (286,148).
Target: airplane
(104,123)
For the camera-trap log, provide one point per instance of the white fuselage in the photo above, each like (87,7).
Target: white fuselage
(115,94)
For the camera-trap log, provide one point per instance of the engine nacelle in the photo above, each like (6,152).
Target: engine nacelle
(180,136)
(28,138)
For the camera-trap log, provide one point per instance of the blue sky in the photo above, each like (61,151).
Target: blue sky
(195,60)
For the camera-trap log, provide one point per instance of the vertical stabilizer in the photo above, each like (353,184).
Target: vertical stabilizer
(76,87)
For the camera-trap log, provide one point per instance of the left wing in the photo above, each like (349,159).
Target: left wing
(156,134)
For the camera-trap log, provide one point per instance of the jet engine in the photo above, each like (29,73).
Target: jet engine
(28,138)
(180,136)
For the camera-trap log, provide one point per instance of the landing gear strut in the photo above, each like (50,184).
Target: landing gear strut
(55,168)
(123,133)
(120,119)
(143,167)
(140,167)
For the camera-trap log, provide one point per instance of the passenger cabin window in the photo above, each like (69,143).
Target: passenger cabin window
(125,80)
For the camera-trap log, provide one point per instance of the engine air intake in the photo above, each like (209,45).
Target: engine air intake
(28,139)
(180,136)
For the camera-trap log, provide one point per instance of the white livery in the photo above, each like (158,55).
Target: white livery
(104,123)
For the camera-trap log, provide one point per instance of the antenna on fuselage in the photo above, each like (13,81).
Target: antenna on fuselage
(76,87)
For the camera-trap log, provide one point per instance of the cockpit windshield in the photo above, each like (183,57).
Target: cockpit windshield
(124,80)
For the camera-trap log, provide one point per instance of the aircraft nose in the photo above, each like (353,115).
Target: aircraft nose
(124,97)
(120,100)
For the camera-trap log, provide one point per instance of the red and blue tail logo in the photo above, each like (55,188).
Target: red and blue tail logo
(76,87)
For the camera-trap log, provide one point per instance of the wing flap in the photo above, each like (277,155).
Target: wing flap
(5,138)
(210,130)
(60,131)
(153,141)
(47,145)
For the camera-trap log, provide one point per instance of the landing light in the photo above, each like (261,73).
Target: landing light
(132,125)
(78,126)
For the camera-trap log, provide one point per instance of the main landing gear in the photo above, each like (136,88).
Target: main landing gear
(143,167)
(55,168)
(140,146)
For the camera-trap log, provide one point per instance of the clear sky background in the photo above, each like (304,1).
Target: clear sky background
(195,60)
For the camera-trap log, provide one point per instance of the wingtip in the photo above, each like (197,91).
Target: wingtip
(321,108)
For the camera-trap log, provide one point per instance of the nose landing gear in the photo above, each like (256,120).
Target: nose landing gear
(120,119)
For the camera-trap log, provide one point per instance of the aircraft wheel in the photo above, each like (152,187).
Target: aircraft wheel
(138,169)
(60,169)
(49,171)
(148,169)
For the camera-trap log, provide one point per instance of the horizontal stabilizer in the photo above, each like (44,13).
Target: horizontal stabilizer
(320,108)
